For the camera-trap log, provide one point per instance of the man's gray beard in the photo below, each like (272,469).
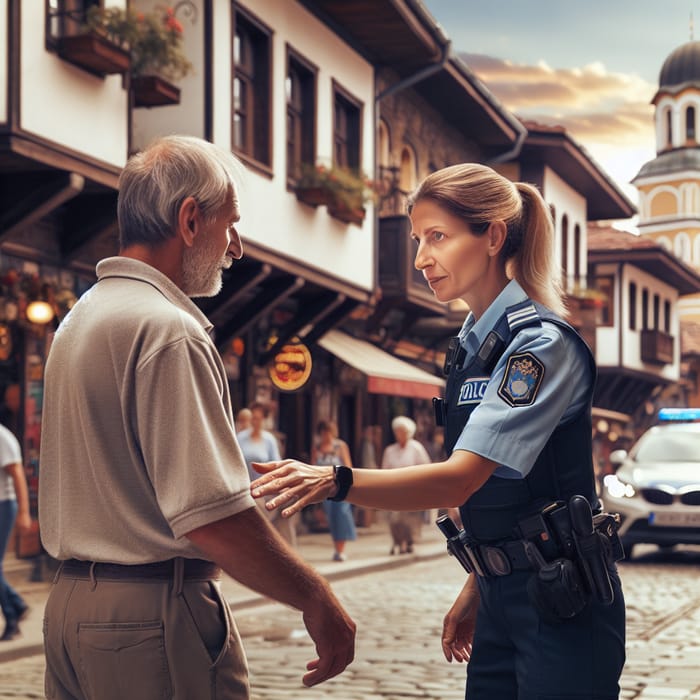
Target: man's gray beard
(202,274)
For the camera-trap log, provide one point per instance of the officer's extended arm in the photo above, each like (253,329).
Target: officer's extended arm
(440,485)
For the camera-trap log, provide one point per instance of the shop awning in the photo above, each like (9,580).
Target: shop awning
(385,373)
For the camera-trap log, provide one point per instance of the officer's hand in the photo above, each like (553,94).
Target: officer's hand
(293,483)
(459,624)
(333,633)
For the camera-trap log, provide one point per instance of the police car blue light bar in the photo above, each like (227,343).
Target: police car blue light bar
(679,414)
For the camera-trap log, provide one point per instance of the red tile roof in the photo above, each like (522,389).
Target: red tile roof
(608,238)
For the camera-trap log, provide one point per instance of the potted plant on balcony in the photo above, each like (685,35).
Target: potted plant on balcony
(100,48)
(589,298)
(351,191)
(154,42)
(343,191)
(312,185)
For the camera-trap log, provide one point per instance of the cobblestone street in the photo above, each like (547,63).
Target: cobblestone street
(399,614)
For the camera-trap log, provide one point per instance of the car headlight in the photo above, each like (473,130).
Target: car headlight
(617,488)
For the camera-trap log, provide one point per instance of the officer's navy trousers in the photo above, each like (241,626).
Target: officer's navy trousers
(518,656)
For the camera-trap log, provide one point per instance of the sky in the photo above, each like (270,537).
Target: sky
(592,67)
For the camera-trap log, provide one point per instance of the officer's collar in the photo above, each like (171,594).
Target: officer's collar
(474,331)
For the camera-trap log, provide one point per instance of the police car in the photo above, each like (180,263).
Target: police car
(656,487)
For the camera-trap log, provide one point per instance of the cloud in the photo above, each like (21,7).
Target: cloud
(592,103)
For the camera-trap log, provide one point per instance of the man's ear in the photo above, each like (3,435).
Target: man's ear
(189,220)
(496,232)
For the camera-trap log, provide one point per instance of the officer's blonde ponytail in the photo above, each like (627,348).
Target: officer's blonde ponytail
(479,195)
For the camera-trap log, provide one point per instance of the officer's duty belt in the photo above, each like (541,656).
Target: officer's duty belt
(498,560)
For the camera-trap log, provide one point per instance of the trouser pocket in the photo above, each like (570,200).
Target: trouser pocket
(124,661)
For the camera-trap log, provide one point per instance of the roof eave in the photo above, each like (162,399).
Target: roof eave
(571,161)
(657,261)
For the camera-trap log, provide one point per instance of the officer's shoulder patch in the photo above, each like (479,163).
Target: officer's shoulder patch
(521,380)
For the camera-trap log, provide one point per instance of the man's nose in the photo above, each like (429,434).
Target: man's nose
(235,246)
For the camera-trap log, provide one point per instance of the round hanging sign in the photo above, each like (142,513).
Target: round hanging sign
(291,367)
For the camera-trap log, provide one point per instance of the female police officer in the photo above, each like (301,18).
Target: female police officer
(517,416)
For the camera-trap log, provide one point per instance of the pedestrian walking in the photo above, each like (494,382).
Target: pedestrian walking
(14,511)
(405,452)
(243,419)
(260,445)
(542,612)
(330,449)
(144,494)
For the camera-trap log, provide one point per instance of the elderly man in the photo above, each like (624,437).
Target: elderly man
(144,492)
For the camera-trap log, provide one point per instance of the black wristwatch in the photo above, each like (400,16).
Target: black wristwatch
(343,477)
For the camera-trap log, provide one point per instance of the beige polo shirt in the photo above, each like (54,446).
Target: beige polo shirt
(138,443)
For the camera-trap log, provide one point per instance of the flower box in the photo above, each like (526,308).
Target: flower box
(592,303)
(343,212)
(154,91)
(313,196)
(94,53)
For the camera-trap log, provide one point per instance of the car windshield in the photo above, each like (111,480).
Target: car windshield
(668,446)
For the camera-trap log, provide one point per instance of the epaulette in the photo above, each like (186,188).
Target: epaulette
(522,314)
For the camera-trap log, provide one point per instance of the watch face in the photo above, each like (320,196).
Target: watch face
(5,342)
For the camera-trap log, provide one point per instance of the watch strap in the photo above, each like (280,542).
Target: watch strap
(343,478)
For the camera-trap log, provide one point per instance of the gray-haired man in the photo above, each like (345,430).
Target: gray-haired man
(144,492)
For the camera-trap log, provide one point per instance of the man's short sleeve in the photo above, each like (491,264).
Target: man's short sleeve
(185,430)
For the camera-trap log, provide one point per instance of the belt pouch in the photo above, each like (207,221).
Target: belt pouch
(557,592)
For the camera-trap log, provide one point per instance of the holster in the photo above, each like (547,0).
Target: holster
(557,591)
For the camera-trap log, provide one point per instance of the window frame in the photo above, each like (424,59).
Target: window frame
(342,96)
(259,154)
(632,302)
(68,16)
(606,285)
(307,114)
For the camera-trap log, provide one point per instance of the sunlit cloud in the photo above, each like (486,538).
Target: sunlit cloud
(609,114)
(591,102)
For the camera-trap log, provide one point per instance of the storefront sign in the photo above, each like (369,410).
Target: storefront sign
(291,367)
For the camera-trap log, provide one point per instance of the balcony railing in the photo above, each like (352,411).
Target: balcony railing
(656,347)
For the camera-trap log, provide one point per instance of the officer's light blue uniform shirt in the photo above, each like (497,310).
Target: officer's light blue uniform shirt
(513,436)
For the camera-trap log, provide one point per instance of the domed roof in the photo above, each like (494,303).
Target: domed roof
(678,160)
(681,66)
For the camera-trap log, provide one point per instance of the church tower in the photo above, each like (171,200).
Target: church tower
(669,185)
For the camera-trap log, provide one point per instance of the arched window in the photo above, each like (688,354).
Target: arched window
(690,123)
(645,309)
(407,174)
(669,128)
(633,306)
(657,312)
(696,250)
(383,148)
(681,247)
(577,252)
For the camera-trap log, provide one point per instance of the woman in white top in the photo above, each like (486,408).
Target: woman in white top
(405,452)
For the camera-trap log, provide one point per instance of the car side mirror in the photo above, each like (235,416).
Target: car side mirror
(617,457)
